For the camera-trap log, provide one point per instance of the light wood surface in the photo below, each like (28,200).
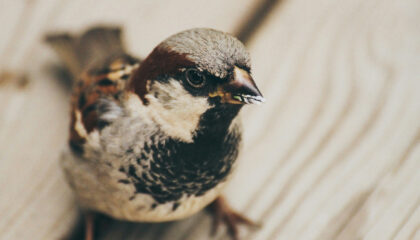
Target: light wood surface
(333,154)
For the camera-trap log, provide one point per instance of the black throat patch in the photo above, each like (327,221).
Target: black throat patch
(168,170)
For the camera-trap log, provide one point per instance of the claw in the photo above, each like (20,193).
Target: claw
(223,212)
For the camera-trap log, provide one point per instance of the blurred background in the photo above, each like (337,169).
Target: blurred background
(333,154)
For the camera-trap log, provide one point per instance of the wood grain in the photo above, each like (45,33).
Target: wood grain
(333,154)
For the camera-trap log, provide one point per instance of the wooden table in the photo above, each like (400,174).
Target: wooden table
(333,154)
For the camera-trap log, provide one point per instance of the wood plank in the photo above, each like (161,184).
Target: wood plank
(333,154)
(402,188)
(411,229)
(365,120)
(14,15)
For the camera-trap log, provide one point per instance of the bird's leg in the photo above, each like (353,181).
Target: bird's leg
(89,225)
(223,212)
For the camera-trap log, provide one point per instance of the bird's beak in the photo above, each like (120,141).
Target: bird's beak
(241,89)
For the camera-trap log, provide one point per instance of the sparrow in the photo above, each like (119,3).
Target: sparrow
(155,139)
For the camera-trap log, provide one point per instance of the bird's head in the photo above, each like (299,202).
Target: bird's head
(195,74)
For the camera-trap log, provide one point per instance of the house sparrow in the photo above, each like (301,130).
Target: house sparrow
(155,140)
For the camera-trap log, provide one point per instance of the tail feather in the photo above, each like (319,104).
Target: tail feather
(66,48)
(95,45)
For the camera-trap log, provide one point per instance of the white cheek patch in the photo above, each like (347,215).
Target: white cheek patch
(175,110)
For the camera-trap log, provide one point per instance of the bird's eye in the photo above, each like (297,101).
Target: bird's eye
(195,78)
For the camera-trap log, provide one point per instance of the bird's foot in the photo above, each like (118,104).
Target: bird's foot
(223,212)
(89,225)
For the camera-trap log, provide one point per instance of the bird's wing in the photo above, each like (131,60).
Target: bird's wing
(95,99)
(101,68)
